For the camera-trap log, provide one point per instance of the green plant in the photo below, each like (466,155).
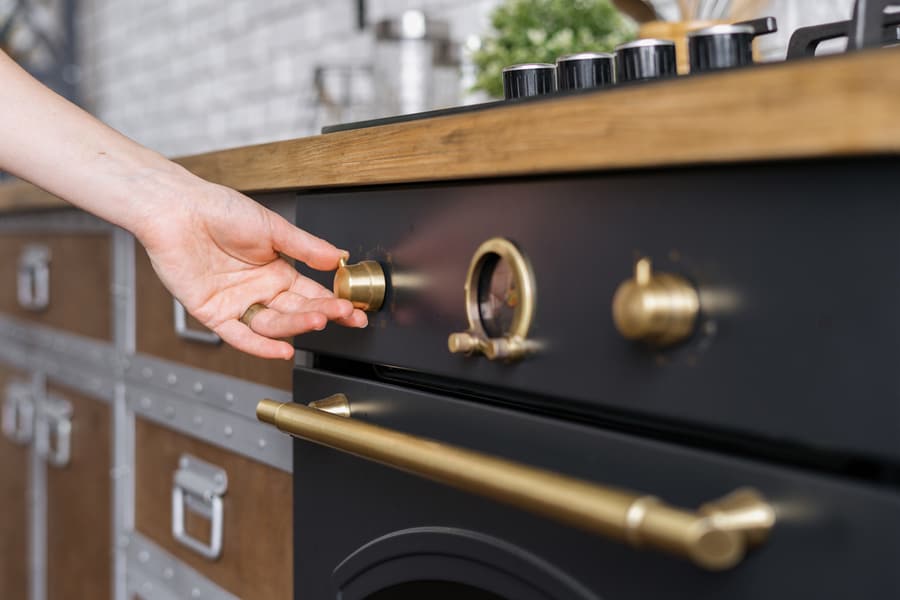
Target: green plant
(542,30)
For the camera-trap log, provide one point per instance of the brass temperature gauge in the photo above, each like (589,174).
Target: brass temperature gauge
(658,308)
(500,304)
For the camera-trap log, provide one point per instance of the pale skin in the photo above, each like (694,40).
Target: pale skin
(216,250)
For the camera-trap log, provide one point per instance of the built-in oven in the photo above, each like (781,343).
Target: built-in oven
(673,382)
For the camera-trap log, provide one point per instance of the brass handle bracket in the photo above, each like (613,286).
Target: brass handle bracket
(509,347)
(715,537)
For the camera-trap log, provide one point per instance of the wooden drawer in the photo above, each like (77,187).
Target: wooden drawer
(79,279)
(79,504)
(14,484)
(156,335)
(256,557)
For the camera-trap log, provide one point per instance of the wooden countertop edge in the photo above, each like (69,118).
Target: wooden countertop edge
(836,106)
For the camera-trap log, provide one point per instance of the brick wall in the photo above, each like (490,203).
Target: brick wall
(187,76)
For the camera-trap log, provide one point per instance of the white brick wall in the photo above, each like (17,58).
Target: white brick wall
(187,76)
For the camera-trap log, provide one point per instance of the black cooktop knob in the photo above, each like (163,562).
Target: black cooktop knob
(645,59)
(524,81)
(584,71)
(720,47)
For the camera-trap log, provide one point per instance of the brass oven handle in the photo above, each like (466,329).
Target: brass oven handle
(714,537)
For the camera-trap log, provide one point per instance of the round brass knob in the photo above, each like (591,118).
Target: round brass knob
(658,308)
(363,284)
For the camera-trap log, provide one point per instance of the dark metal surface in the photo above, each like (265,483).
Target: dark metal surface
(527,81)
(361,14)
(360,528)
(727,50)
(806,40)
(867,23)
(585,71)
(715,51)
(761,26)
(646,61)
(797,339)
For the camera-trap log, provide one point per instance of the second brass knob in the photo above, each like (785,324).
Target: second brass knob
(363,284)
(657,308)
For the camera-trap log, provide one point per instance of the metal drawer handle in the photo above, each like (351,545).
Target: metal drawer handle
(714,537)
(199,486)
(33,280)
(18,413)
(184,332)
(54,419)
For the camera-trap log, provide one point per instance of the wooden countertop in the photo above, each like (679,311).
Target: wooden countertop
(837,106)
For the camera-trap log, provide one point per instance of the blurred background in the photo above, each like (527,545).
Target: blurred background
(189,76)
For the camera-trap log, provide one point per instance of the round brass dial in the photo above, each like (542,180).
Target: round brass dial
(363,284)
(658,308)
(500,303)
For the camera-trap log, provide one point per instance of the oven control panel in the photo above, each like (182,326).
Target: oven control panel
(681,297)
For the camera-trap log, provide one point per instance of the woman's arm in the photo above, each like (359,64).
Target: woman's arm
(214,249)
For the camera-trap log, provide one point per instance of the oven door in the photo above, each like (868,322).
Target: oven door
(365,530)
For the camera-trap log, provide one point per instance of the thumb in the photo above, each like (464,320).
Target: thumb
(303,246)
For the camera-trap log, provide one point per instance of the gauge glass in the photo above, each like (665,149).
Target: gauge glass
(498,296)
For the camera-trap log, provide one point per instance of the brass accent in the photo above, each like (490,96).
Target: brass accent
(337,404)
(248,316)
(363,284)
(658,308)
(251,312)
(514,344)
(716,537)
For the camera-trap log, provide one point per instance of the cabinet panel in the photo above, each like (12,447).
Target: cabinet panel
(257,547)
(79,272)
(14,483)
(79,517)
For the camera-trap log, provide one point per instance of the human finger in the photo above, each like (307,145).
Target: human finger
(275,324)
(312,289)
(238,335)
(305,247)
(357,319)
(333,308)
(305,286)
(338,310)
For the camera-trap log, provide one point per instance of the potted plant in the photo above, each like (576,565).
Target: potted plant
(542,30)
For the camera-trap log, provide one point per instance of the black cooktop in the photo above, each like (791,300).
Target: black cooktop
(870,27)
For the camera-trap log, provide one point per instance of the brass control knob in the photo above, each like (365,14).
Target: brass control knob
(658,308)
(363,284)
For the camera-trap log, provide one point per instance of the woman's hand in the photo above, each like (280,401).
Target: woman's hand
(218,252)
